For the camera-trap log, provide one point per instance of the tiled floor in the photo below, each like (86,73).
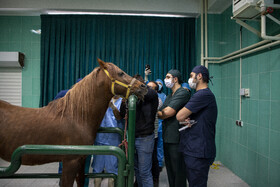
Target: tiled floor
(219,177)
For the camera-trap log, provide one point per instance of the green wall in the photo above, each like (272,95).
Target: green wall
(15,35)
(252,152)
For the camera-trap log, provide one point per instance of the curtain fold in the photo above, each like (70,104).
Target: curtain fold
(71,44)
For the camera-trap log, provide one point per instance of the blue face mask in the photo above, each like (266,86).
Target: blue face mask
(159,87)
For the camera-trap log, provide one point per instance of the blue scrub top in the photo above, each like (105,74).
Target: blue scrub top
(62,93)
(109,120)
(199,140)
(162,97)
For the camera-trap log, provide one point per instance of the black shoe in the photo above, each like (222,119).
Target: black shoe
(155,182)
(135,184)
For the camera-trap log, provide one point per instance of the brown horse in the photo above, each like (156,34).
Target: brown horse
(71,120)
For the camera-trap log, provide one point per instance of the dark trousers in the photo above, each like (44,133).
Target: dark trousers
(174,161)
(155,166)
(197,170)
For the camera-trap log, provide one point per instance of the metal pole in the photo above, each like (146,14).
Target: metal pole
(202,33)
(131,138)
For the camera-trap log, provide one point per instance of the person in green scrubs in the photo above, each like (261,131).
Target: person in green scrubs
(176,100)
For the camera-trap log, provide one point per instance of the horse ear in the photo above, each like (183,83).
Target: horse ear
(101,63)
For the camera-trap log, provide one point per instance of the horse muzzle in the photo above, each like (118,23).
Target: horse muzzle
(141,91)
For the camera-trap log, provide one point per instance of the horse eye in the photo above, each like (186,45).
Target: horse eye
(121,74)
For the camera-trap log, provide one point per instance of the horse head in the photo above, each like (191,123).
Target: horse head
(121,83)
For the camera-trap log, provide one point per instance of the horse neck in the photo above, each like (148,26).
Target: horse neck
(88,100)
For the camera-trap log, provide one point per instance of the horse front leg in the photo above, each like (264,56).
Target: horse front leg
(70,170)
(80,178)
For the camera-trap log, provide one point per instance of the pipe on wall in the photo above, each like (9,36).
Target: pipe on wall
(202,33)
(248,52)
(239,51)
(206,31)
(263,26)
(240,75)
(252,29)
(255,47)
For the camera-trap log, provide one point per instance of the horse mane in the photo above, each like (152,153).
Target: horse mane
(78,101)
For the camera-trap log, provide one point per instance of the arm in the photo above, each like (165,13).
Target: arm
(116,112)
(166,113)
(147,72)
(183,114)
(174,105)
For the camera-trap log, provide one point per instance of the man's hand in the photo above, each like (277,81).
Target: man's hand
(186,122)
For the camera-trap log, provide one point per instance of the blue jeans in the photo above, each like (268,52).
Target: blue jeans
(144,147)
(104,162)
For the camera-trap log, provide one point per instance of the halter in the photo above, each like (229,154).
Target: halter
(119,83)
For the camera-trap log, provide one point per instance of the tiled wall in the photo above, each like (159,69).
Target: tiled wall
(16,35)
(252,151)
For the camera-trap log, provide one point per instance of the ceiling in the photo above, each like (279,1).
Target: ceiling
(178,7)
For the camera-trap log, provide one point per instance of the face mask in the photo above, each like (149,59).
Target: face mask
(159,87)
(168,83)
(191,83)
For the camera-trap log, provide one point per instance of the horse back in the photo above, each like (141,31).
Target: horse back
(21,126)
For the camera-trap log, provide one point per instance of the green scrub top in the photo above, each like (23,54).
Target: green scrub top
(170,126)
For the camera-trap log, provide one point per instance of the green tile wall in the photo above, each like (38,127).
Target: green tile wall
(15,35)
(252,151)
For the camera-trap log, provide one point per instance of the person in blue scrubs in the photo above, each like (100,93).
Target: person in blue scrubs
(186,86)
(108,163)
(198,141)
(160,154)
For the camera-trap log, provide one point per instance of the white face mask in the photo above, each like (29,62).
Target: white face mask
(168,83)
(191,83)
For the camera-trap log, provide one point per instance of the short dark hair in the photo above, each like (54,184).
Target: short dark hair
(176,73)
(156,88)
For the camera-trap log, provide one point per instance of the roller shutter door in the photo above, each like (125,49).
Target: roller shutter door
(10,85)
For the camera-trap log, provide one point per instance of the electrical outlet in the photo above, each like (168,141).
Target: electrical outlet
(244,92)
(247,92)
(239,123)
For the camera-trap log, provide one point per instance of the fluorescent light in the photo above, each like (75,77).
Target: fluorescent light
(55,12)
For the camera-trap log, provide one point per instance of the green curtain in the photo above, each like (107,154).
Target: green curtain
(71,44)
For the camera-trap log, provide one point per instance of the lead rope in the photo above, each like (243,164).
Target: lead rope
(124,142)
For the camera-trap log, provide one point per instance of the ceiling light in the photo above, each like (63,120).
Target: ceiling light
(55,12)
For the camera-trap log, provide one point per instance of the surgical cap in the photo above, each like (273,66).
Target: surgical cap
(159,80)
(203,70)
(176,73)
(186,85)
